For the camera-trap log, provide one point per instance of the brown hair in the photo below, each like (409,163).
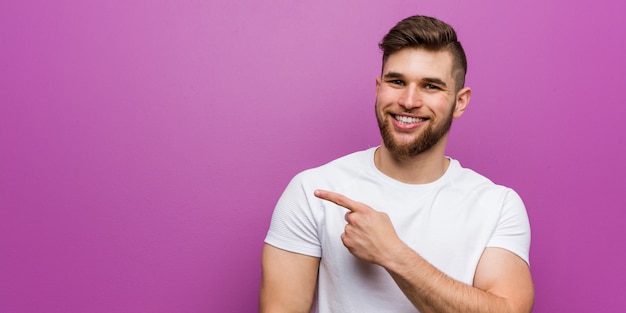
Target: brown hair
(428,33)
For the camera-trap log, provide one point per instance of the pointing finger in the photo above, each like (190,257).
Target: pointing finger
(338,199)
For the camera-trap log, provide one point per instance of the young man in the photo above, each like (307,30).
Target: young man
(401,227)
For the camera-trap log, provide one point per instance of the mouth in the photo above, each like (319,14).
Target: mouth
(407,120)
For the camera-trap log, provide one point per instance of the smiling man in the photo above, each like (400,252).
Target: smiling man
(401,227)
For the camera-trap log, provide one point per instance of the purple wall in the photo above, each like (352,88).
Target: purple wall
(143,143)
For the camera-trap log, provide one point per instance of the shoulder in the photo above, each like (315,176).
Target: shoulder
(472,182)
(463,175)
(460,175)
(344,168)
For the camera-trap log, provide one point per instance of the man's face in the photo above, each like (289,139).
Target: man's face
(416,101)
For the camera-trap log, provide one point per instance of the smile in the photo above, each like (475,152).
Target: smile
(408,120)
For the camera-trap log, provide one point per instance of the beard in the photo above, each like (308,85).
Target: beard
(428,138)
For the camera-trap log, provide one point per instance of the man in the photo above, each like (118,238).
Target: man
(401,227)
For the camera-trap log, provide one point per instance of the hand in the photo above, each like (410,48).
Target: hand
(369,234)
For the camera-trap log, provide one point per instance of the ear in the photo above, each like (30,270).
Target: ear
(378,80)
(462,101)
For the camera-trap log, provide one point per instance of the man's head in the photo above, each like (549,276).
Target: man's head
(421,88)
(430,34)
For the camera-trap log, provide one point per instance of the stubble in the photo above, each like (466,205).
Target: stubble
(428,138)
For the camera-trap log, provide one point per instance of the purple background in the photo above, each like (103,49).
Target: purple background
(143,143)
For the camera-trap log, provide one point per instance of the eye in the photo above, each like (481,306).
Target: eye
(431,86)
(396,82)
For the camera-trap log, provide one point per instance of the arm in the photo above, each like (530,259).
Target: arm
(288,282)
(502,282)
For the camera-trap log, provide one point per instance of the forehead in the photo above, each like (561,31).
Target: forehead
(419,63)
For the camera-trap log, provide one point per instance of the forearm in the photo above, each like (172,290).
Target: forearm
(430,290)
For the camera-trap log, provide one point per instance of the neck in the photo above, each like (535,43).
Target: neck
(424,168)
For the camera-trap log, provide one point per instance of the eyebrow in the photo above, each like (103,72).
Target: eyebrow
(435,81)
(430,80)
(393,75)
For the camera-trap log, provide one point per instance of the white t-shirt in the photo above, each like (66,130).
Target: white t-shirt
(449,222)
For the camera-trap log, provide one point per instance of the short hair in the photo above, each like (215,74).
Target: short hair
(428,33)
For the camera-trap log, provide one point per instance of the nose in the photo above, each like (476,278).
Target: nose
(409,99)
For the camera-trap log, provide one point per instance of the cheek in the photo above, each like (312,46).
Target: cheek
(385,97)
(442,104)
(379,103)
(382,107)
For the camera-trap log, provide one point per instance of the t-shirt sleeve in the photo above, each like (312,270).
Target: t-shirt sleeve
(513,230)
(294,226)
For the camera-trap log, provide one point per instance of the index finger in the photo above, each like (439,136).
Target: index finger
(338,199)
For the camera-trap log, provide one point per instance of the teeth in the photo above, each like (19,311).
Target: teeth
(408,120)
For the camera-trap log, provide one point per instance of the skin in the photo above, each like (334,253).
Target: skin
(415,83)
(288,283)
